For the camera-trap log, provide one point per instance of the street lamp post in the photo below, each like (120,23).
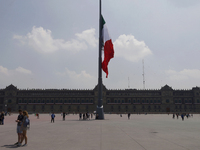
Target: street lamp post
(6,101)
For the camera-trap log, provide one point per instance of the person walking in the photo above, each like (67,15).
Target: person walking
(24,128)
(129,115)
(173,116)
(182,116)
(2,118)
(80,116)
(52,117)
(19,123)
(64,116)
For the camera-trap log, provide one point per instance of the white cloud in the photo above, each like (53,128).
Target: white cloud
(3,70)
(77,80)
(88,36)
(10,72)
(184,74)
(22,70)
(19,76)
(41,40)
(131,49)
(74,75)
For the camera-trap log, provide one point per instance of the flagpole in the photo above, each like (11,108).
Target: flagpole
(100,113)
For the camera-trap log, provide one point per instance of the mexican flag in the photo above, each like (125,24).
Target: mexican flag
(108,47)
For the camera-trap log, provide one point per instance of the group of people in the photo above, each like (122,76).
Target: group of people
(2,118)
(22,125)
(182,115)
(86,116)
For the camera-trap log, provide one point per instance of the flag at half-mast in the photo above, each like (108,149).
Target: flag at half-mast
(108,47)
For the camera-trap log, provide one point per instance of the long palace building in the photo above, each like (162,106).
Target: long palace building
(164,100)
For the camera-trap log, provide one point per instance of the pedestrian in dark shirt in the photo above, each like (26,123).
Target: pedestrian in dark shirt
(91,115)
(177,115)
(19,123)
(129,115)
(182,116)
(52,117)
(84,116)
(80,116)
(24,128)
(2,118)
(64,116)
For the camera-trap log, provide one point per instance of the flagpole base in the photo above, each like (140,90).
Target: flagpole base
(99,113)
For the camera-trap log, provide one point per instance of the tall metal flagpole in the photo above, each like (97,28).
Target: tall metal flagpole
(100,113)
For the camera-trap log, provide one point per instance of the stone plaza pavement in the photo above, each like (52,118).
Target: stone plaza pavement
(141,132)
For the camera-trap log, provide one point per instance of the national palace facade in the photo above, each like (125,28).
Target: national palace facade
(164,100)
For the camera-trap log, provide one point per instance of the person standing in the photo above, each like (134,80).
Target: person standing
(64,116)
(173,116)
(80,116)
(182,116)
(24,129)
(19,123)
(2,118)
(52,117)
(91,115)
(129,115)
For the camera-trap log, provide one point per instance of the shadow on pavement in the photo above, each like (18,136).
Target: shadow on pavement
(10,146)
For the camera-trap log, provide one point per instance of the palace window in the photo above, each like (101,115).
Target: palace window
(91,100)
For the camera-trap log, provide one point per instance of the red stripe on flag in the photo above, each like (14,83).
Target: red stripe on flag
(108,54)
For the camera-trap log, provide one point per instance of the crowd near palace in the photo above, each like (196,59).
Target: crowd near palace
(164,100)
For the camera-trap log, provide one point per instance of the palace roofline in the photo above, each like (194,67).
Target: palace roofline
(166,87)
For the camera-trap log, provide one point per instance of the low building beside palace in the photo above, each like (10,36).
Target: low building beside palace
(164,100)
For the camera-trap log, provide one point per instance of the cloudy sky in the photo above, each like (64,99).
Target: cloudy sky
(54,44)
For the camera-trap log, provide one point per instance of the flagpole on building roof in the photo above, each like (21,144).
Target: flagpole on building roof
(100,112)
